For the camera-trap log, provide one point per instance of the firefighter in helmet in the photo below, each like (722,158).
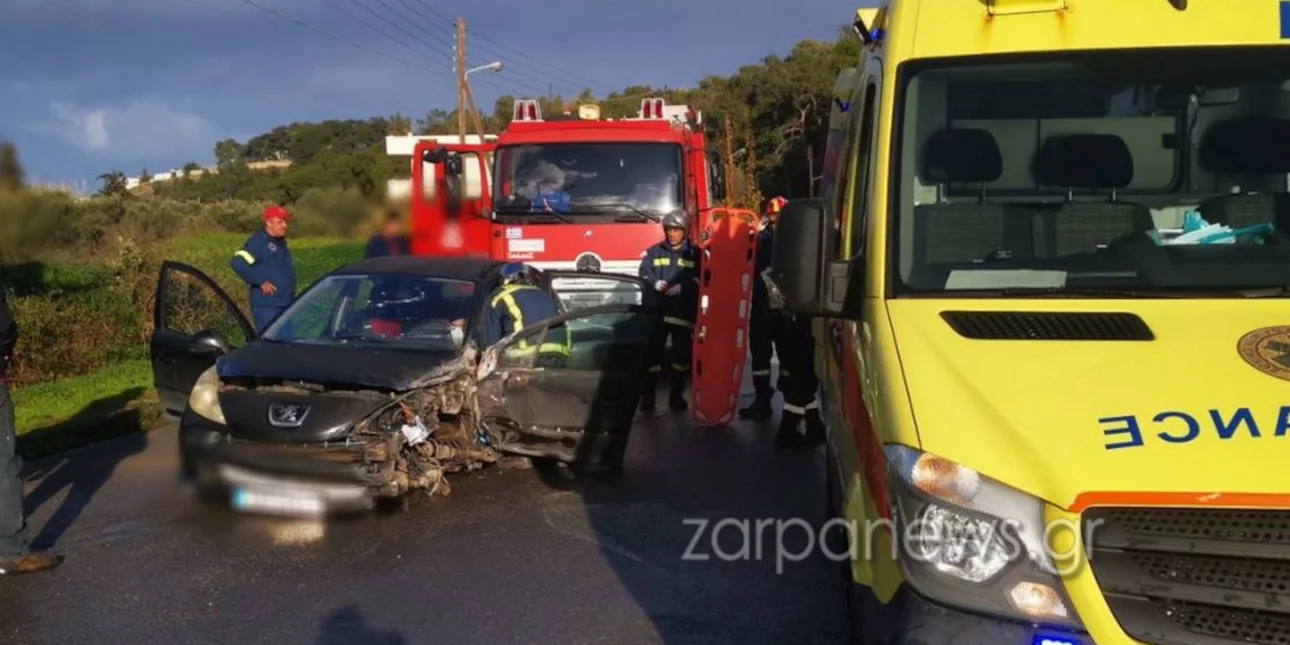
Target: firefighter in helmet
(795,346)
(672,268)
(760,340)
(518,302)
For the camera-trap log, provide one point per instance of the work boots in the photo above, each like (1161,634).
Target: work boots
(760,408)
(676,400)
(29,563)
(790,434)
(649,394)
(815,431)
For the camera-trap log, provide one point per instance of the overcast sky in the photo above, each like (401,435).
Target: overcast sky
(95,85)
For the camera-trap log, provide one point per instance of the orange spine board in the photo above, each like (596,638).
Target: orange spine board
(729,246)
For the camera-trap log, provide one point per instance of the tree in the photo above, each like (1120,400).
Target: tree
(113,184)
(438,121)
(12,176)
(144,176)
(190,168)
(399,125)
(229,153)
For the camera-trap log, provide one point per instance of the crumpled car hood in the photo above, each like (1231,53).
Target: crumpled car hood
(384,369)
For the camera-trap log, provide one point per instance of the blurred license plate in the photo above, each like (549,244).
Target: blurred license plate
(294,502)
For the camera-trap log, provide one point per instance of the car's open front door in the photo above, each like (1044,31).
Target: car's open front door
(194,323)
(575,409)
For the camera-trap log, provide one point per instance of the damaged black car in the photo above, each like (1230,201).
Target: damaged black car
(375,382)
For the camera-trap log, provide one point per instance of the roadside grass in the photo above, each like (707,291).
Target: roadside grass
(118,398)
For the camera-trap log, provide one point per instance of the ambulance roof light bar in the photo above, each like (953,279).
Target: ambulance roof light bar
(527,110)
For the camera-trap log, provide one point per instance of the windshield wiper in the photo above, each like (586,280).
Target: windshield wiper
(536,217)
(643,213)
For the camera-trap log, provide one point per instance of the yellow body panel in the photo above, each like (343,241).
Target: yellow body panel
(965,28)
(1034,415)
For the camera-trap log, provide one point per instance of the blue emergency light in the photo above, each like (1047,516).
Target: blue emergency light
(1050,640)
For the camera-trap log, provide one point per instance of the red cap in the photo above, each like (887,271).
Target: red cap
(276,212)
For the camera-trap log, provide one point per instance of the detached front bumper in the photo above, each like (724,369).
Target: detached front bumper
(307,478)
(910,619)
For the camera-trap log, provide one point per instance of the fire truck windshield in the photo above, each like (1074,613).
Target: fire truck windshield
(588,179)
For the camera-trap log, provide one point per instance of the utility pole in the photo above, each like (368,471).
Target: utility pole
(474,112)
(462,96)
(810,171)
(730,165)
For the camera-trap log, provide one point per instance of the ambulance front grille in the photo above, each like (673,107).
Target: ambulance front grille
(1175,576)
(1047,325)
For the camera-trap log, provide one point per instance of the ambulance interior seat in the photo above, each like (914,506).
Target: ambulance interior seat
(968,231)
(1242,148)
(1085,161)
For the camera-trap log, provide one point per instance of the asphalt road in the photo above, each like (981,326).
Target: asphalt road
(516,556)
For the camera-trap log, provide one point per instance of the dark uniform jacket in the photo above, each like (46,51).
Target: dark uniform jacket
(765,247)
(678,265)
(265,259)
(380,246)
(8,334)
(515,307)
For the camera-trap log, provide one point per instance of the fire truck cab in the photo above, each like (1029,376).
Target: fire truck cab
(583,194)
(572,192)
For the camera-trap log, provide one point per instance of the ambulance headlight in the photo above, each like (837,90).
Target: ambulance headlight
(204,399)
(966,540)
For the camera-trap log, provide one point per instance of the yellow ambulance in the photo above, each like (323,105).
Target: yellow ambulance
(1052,324)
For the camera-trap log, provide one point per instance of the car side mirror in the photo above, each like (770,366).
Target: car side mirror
(813,284)
(208,342)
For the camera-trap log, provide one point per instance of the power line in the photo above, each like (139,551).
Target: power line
(383,34)
(432,20)
(352,43)
(539,61)
(449,25)
(524,56)
(392,23)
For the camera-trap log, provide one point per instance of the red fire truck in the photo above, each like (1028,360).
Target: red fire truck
(580,193)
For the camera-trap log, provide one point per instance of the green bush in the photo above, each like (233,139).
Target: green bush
(81,273)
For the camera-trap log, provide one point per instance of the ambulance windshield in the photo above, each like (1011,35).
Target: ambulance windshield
(1155,172)
(641,180)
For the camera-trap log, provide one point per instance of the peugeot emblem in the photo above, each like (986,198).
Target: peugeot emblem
(586,233)
(287,415)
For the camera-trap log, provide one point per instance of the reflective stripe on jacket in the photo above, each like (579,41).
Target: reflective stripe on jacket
(679,265)
(266,259)
(515,307)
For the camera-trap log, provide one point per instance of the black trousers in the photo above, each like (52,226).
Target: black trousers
(678,358)
(12,520)
(762,345)
(796,349)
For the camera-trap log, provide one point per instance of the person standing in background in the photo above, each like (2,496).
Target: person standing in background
(390,240)
(15,554)
(264,263)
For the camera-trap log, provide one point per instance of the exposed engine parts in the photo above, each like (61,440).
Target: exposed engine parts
(422,436)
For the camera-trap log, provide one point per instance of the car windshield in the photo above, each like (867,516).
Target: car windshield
(634,179)
(1156,172)
(388,310)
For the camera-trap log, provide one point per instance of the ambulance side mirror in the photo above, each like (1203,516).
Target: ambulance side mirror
(813,284)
